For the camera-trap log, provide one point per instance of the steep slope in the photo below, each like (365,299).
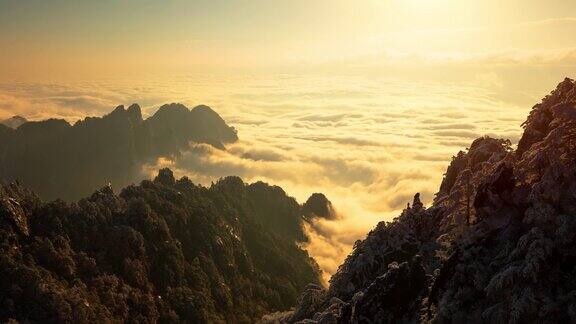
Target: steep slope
(164,251)
(497,245)
(58,160)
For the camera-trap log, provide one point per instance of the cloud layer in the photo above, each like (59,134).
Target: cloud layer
(368,144)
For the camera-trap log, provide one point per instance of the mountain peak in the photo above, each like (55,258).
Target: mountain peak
(417,204)
(165,176)
(202,108)
(540,120)
(117,110)
(135,113)
(172,108)
(14,121)
(318,205)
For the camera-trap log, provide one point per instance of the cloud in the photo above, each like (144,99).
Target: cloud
(368,144)
(452,126)
(450,61)
(41,101)
(11,105)
(358,141)
(558,21)
(76,101)
(457,133)
(259,154)
(329,117)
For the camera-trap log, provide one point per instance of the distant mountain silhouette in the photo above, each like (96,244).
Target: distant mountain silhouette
(14,122)
(164,251)
(318,205)
(58,160)
(498,245)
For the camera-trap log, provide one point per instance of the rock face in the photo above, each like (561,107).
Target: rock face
(497,245)
(318,205)
(58,160)
(164,251)
(14,121)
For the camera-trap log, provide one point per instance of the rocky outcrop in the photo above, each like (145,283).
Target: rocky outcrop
(317,205)
(59,160)
(537,126)
(497,245)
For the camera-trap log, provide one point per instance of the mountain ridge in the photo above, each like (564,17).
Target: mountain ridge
(166,250)
(60,160)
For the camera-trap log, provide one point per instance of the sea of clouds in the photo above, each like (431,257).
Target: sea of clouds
(368,143)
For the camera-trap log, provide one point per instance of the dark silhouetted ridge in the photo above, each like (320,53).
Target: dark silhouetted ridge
(58,160)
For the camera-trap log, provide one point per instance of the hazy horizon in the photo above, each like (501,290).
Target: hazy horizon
(444,38)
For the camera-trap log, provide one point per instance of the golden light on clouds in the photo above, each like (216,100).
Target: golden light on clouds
(365,101)
(65,39)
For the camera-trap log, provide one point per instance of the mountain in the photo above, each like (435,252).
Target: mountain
(497,245)
(318,205)
(14,121)
(59,160)
(165,251)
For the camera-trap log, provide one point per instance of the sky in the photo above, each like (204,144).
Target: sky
(365,100)
(72,38)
